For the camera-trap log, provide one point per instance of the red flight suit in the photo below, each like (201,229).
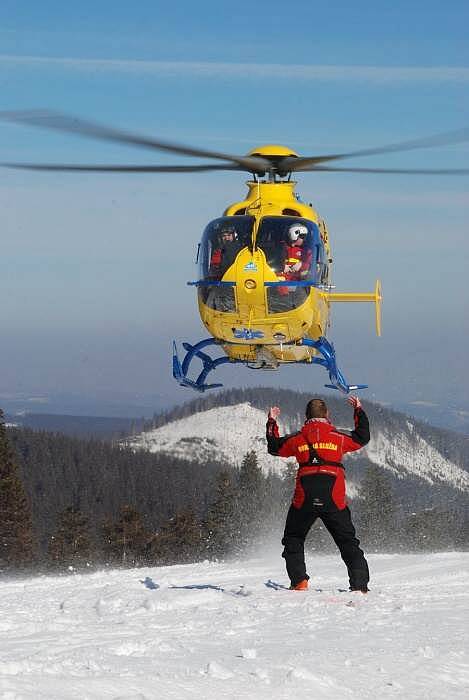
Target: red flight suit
(320,491)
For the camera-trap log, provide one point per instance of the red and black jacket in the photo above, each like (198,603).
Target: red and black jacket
(318,448)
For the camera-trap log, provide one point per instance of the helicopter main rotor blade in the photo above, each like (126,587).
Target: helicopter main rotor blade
(448,138)
(121,168)
(62,122)
(394,171)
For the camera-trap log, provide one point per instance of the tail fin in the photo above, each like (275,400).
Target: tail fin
(375,297)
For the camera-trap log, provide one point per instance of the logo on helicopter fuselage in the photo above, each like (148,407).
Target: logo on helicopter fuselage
(250,266)
(247,334)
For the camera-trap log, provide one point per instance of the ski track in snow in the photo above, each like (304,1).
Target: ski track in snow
(216,630)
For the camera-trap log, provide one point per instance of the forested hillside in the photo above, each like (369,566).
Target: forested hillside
(85,503)
(98,478)
(454,445)
(427,466)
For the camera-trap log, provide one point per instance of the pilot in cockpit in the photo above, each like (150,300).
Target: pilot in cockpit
(224,251)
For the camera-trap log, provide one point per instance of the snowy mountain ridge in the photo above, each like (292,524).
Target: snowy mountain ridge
(425,461)
(226,433)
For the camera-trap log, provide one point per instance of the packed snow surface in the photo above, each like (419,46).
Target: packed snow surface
(216,631)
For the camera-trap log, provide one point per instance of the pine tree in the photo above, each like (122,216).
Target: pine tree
(252,503)
(16,532)
(221,528)
(71,546)
(179,541)
(126,541)
(377,516)
(462,531)
(431,530)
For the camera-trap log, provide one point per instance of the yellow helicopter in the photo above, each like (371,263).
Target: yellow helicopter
(264,288)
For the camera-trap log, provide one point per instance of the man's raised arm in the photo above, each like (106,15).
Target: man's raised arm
(361,433)
(276,445)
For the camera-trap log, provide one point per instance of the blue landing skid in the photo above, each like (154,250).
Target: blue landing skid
(323,346)
(180,369)
(328,360)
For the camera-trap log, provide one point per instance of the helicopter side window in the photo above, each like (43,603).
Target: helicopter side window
(221,242)
(290,245)
(322,266)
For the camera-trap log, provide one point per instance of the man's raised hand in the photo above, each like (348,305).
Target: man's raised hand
(354,401)
(274,412)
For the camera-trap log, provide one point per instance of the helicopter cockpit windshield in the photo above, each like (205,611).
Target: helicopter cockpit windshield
(295,252)
(222,240)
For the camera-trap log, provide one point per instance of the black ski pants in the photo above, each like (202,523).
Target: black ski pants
(337,522)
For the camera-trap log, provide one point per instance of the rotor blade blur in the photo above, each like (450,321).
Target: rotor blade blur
(61,122)
(446,139)
(121,168)
(393,171)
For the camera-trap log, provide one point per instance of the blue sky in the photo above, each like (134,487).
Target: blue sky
(93,280)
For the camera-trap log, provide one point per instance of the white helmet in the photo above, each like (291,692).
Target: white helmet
(297,231)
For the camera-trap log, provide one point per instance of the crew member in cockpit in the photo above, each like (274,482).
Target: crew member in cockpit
(297,261)
(225,252)
(296,257)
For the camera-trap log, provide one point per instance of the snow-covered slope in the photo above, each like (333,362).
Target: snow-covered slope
(226,433)
(211,631)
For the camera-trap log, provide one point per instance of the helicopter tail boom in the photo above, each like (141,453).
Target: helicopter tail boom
(375,297)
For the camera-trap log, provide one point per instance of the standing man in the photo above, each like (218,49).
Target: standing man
(320,488)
